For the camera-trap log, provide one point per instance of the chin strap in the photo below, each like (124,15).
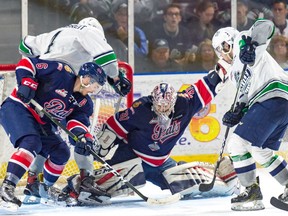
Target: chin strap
(81,83)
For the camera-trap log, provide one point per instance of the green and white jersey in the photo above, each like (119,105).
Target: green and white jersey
(75,45)
(264,79)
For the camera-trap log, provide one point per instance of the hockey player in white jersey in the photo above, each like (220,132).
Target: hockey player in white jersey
(261,113)
(74,44)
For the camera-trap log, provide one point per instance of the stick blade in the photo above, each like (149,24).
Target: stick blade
(206,187)
(165,200)
(279,204)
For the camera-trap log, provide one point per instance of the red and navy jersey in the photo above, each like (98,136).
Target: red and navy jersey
(55,93)
(138,125)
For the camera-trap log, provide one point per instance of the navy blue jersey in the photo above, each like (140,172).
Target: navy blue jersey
(55,93)
(138,125)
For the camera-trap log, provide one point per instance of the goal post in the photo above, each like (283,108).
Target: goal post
(108,99)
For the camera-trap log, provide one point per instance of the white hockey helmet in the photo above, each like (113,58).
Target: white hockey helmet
(91,21)
(223,40)
(164,98)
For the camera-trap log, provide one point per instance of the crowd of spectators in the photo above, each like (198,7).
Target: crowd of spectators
(175,35)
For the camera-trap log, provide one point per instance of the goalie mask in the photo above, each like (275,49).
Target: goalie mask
(223,40)
(163,98)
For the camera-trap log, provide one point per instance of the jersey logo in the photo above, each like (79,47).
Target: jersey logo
(83,102)
(161,134)
(56,107)
(124,116)
(154,146)
(189,92)
(60,66)
(61,92)
(137,104)
(68,69)
(41,65)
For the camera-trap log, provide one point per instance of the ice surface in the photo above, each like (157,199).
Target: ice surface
(134,206)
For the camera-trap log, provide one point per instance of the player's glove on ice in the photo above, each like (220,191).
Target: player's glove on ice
(247,50)
(85,143)
(26,91)
(233,117)
(121,86)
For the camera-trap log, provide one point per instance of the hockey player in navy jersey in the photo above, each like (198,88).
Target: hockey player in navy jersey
(64,95)
(74,44)
(261,110)
(146,133)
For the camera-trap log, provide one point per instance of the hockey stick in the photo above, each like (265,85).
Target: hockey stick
(95,115)
(279,204)
(160,201)
(204,187)
(118,104)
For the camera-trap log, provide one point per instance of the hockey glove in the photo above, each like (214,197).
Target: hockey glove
(233,117)
(85,143)
(247,50)
(26,91)
(121,86)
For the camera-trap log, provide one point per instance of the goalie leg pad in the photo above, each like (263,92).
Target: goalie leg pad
(131,170)
(185,178)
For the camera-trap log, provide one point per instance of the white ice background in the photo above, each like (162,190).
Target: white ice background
(135,206)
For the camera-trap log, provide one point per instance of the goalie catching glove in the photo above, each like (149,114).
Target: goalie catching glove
(26,91)
(86,142)
(122,86)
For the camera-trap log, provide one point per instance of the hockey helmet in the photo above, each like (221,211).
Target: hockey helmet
(164,98)
(94,71)
(223,40)
(91,21)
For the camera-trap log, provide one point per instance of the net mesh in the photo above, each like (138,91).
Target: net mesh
(108,99)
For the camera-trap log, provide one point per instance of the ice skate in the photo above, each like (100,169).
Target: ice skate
(32,189)
(249,200)
(9,200)
(50,195)
(91,193)
(284,196)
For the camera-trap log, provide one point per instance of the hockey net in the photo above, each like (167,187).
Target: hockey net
(109,101)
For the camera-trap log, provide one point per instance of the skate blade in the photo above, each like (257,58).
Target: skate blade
(248,206)
(12,207)
(31,200)
(87,199)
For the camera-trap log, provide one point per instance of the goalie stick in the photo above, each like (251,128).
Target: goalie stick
(279,204)
(154,201)
(204,187)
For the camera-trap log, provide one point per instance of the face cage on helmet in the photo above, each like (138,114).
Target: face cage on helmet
(165,103)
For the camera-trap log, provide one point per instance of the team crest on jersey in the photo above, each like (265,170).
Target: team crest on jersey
(161,134)
(41,65)
(203,112)
(124,116)
(137,104)
(60,66)
(189,92)
(82,102)
(68,69)
(154,146)
(57,108)
(61,92)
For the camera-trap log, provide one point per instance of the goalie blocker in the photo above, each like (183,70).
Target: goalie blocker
(184,178)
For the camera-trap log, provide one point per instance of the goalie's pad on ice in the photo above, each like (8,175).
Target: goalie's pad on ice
(131,170)
(185,178)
